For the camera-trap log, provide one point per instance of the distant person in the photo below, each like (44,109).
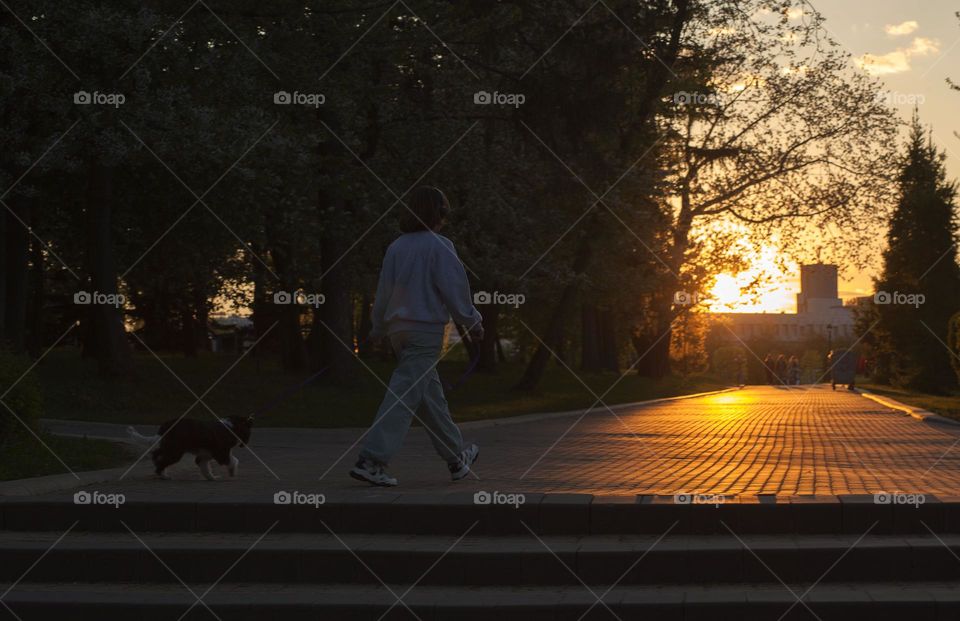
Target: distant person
(768,368)
(780,369)
(422,283)
(843,368)
(793,371)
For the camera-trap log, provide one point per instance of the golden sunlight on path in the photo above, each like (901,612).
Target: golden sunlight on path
(759,440)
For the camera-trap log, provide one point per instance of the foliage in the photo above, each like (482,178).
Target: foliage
(155,395)
(24,403)
(729,362)
(26,457)
(601,193)
(918,290)
(953,342)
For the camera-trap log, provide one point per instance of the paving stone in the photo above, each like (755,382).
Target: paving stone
(760,440)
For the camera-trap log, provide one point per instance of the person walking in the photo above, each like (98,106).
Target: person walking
(780,369)
(768,368)
(793,371)
(422,283)
(843,368)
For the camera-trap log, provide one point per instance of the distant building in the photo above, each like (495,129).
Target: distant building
(819,312)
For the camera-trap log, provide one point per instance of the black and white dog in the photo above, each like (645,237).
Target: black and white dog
(208,440)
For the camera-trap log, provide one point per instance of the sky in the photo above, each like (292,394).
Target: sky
(913,47)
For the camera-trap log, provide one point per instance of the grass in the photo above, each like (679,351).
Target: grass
(72,389)
(945,405)
(23,456)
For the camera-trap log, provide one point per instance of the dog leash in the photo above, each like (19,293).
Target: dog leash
(474,361)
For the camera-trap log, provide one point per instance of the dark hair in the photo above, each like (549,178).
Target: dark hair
(426,210)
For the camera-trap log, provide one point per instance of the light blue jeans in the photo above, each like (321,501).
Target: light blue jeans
(414,386)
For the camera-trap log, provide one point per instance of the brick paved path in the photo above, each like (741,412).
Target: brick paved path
(759,440)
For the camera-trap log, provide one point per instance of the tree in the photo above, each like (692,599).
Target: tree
(770,129)
(954,85)
(633,78)
(919,289)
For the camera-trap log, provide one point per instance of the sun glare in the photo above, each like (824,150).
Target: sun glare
(726,291)
(739,293)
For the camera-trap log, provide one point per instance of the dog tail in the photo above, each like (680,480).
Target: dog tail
(140,438)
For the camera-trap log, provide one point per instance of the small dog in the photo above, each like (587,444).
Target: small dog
(208,440)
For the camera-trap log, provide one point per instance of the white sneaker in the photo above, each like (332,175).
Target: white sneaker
(467,458)
(372,474)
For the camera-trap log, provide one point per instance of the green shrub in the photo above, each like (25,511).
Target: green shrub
(953,341)
(728,361)
(25,400)
(811,366)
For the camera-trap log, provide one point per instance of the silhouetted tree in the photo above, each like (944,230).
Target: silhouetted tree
(920,261)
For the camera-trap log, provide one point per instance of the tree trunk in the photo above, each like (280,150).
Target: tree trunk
(658,77)
(4,264)
(589,339)
(608,355)
(365,347)
(193,325)
(293,355)
(259,314)
(105,336)
(656,363)
(15,301)
(663,302)
(337,310)
(293,352)
(553,337)
(35,340)
(491,336)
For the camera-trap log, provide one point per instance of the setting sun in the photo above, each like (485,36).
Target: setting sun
(726,291)
(766,287)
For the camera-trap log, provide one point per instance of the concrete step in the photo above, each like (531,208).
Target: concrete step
(572,514)
(880,602)
(283,558)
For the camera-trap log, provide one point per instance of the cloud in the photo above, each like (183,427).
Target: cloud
(922,46)
(897,61)
(894,62)
(899,30)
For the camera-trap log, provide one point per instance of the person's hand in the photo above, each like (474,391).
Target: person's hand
(476,333)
